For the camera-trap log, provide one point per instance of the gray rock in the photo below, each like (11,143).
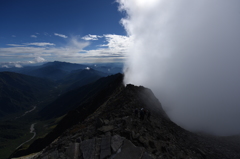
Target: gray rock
(88,148)
(99,122)
(53,154)
(106,121)
(146,156)
(116,142)
(73,151)
(135,135)
(105,147)
(106,128)
(98,147)
(129,151)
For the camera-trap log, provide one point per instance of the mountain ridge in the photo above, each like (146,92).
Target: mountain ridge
(113,129)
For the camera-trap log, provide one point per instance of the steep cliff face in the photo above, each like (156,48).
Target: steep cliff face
(116,130)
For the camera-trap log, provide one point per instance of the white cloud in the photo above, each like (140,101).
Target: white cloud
(39,59)
(60,35)
(18,65)
(39,44)
(114,49)
(33,36)
(91,37)
(14,36)
(15,45)
(5,66)
(117,43)
(46,34)
(187,52)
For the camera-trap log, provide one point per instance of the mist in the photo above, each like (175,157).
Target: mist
(188,53)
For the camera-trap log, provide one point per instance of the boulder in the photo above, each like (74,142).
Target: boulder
(129,151)
(88,148)
(116,142)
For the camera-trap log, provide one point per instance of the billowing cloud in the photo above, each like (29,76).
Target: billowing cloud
(33,36)
(60,35)
(119,43)
(187,52)
(91,37)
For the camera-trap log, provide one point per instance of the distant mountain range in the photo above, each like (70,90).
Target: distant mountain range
(21,87)
(59,70)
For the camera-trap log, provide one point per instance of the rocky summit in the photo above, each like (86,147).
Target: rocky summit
(118,129)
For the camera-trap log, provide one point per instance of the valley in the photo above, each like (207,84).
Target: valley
(25,98)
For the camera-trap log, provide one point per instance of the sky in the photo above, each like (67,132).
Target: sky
(80,31)
(188,53)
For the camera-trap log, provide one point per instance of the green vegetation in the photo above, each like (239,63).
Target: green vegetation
(15,132)
(19,92)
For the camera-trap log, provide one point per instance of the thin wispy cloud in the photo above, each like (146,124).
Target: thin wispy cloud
(33,36)
(61,35)
(46,34)
(15,45)
(91,37)
(39,44)
(14,36)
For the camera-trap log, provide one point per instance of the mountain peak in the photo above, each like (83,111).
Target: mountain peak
(117,129)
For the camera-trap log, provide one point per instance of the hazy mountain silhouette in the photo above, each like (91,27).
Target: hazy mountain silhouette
(52,70)
(80,78)
(58,70)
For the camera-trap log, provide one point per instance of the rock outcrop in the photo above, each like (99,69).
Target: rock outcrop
(115,131)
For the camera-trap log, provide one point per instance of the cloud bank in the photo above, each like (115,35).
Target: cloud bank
(188,53)
(113,49)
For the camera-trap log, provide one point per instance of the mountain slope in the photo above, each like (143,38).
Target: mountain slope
(18,92)
(74,98)
(80,78)
(98,94)
(113,130)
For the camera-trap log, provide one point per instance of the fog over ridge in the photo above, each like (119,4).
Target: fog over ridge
(188,53)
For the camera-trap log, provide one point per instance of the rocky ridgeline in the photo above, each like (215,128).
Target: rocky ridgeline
(114,131)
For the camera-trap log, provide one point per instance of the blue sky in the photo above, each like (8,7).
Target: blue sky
(68,30)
